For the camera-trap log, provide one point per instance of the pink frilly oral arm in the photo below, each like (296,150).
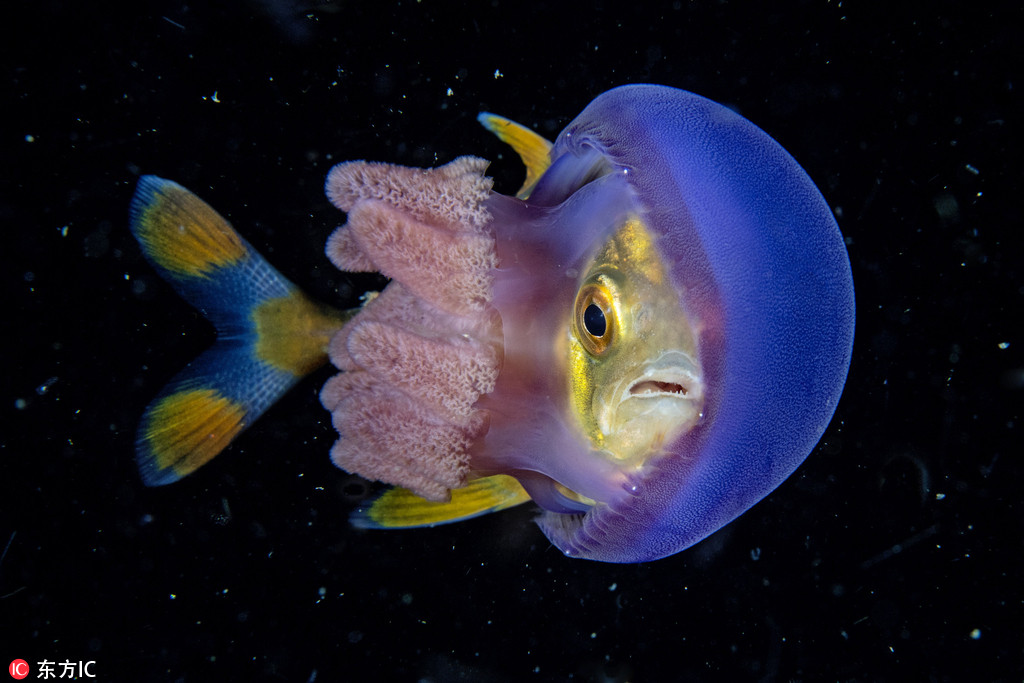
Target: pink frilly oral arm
(416,358)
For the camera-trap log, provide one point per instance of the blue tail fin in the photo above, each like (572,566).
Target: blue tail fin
(269,335)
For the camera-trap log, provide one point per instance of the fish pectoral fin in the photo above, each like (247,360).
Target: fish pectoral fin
(534,150)
(399,508)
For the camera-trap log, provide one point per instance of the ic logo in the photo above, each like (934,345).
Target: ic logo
(19,669)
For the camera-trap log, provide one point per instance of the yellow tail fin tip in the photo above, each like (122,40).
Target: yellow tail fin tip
(187,429)
(183,234)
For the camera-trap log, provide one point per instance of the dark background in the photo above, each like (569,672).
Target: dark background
(895,551)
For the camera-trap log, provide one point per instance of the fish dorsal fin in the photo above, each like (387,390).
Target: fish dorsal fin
(534,150)
(399,508)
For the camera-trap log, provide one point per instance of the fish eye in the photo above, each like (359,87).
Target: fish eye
(594,318)
(593,321)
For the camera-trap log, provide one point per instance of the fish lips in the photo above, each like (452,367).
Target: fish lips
(654,406)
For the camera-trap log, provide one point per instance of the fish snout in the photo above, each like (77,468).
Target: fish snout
(654,407)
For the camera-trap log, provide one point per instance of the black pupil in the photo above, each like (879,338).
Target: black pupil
(593,321)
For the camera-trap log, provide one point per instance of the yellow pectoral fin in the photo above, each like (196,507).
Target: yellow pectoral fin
(399,508)
(534,150)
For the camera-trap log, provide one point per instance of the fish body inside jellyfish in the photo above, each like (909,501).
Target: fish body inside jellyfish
(646,340)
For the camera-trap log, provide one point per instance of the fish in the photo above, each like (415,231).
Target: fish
(645,341)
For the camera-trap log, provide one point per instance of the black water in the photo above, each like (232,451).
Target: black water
(893,554)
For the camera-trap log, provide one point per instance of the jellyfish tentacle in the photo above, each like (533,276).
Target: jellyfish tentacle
(417,358)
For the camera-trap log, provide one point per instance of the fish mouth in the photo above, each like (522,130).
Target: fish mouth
(654,407)
(672,375)
(655,387)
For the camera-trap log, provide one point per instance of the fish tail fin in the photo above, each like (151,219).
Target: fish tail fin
(269,335)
